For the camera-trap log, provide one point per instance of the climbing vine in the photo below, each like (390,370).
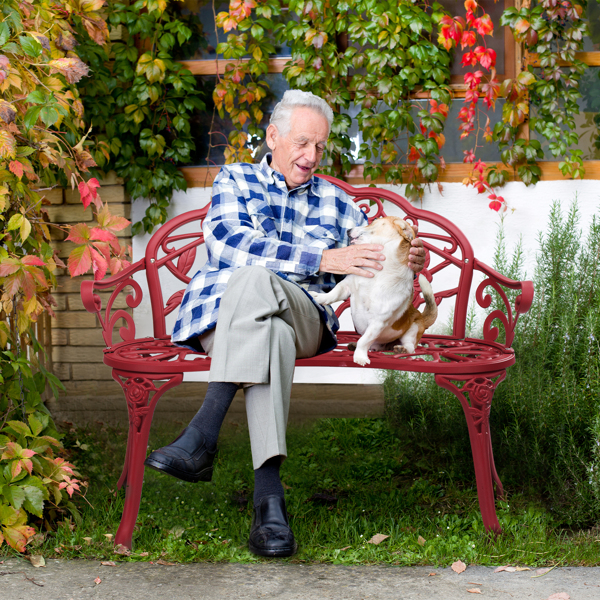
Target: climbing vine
(554,30)
(141,100)
(386,67)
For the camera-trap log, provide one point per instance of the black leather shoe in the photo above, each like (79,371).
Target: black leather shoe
(186,458)
(271,534)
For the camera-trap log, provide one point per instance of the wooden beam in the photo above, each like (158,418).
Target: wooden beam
(591,59)
(454,172)
(212,67)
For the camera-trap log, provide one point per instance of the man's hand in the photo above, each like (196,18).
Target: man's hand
(416,257)
(351,259)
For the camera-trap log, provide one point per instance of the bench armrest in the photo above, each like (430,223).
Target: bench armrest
(509,316)
(93,303)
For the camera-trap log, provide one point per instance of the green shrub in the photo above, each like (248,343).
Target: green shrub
(545,417)
(36,482)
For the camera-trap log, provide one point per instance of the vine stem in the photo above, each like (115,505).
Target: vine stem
(212,120)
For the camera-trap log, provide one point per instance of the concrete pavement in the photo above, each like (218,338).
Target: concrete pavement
(81,579)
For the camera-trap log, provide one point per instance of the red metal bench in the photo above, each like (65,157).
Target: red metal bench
(469,368)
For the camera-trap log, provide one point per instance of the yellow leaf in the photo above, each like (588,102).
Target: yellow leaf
(30,305)
(4,334)
(25,229)
(22,321)
(8,144)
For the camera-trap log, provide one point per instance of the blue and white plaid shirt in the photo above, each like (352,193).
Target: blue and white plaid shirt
(255,220)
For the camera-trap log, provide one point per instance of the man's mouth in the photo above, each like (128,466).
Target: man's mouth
(303,169)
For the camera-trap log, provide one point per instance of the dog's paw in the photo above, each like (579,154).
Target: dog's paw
(361,358)
(400,350)
(319,297)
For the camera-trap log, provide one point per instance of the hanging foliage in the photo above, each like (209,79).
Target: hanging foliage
(385,66)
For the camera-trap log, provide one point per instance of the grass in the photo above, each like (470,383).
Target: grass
(346,480)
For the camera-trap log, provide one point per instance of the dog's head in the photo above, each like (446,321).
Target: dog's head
(387,230)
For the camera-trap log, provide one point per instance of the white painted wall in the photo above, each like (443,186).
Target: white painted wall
(526,217)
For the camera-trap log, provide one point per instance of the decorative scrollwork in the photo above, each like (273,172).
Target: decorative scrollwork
(490,334)
(369,205)
(137,392)
(93,303)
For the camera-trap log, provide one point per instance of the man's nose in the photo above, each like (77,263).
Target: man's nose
(311,153)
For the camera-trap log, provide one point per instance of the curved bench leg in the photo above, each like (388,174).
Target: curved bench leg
(137,393)
(480,390)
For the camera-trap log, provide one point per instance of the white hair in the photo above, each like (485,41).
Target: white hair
(282,113)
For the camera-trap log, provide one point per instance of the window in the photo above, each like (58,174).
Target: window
(205,64)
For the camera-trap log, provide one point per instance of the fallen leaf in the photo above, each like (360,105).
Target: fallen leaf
(474,583)
(286,486)
(498,569)
(97,580)
(143,554)
(421,540)
(345,548)
(215,529)
(511,569)
(87,540)
(120,549)
(108,563)
(519,569)
(76,548)
(378,538)
(458,566)
(474,591)
(37,560)
(58,550)
(432,575)
(560,596)
(108,536)
(160,561)
(543,571)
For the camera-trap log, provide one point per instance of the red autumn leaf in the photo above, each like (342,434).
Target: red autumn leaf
(484,25)
(34,261)
(9,266)
(467,39)
(488,59)
(88,191)
(102,235)
(79,234)
(16,168)
(99,264)
(80,260)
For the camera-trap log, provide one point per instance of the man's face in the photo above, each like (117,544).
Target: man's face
(298,155)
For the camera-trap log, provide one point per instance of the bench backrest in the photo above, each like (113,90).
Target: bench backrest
(447,249)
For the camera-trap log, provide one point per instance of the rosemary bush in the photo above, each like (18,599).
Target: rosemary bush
(545,416)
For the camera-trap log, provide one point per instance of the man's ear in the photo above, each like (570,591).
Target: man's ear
(271,136)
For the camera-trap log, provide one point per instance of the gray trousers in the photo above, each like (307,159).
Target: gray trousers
(264,324)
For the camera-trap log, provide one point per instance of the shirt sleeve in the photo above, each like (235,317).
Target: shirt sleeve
(232,241)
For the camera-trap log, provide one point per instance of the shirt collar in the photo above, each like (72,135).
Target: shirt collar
(276,177)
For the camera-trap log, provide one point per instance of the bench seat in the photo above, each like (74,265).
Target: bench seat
(435,354)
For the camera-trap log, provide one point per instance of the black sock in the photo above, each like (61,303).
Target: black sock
(267,481)
(209,418)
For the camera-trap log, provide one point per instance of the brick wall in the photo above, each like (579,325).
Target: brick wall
(76,336)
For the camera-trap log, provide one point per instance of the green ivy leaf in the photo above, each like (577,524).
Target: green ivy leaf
(30,46)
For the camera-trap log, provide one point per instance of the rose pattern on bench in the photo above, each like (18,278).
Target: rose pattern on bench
(137,391)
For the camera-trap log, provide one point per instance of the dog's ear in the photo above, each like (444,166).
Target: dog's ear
(405,230)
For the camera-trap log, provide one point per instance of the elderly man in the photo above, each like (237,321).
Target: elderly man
(273,233)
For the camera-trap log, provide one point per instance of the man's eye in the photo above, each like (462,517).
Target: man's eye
(320,149)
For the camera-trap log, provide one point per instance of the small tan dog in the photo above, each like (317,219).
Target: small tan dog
(382,308)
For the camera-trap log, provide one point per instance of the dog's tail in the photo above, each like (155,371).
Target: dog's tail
(431,309)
